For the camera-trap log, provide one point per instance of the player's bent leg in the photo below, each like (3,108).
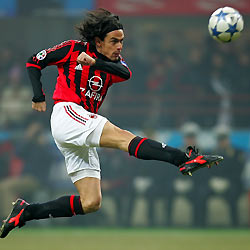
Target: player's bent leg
(65,206)
(89,201)
(115,137)
(90,194)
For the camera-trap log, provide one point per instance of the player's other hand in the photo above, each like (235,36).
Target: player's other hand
(39,106)
(85,59)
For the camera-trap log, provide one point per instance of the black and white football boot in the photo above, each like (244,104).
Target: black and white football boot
(197,161)
(15,218)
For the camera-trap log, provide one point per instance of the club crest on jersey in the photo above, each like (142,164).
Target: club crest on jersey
(95,83)
(41,55)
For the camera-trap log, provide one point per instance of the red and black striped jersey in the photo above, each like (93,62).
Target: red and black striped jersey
(84,85)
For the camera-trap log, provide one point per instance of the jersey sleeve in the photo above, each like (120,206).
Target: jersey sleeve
(52,56)
(119,70)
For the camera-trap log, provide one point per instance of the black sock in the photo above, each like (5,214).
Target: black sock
(148,149)
(65,206)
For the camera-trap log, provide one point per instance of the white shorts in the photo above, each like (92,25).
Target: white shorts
(76,133)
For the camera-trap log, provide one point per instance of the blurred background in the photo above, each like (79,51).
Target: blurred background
(186,89)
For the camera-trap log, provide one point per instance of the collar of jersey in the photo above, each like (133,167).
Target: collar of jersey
(99,55)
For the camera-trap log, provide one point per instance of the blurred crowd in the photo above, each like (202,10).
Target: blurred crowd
(174,81)
(179,75)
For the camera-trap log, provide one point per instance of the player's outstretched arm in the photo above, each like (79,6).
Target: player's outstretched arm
(40,60)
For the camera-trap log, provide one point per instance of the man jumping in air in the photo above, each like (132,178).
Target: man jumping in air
(86,69)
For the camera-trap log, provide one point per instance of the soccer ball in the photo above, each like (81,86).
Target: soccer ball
(225,24)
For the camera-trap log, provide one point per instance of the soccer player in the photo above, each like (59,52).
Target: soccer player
(86,69)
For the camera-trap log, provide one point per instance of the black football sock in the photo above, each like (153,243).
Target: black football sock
(65,206)
(148,149)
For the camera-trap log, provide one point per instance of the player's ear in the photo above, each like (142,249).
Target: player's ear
(97,42)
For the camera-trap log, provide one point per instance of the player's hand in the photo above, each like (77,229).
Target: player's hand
(85,59)
(39,106)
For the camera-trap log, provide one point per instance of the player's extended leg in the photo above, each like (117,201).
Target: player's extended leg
(147,149)
(142,148)
(66,206)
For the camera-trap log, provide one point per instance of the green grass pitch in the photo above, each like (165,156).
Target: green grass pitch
(124,239)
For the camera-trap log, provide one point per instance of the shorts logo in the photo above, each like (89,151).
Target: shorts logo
(41,55)
(95,83)
(93,116)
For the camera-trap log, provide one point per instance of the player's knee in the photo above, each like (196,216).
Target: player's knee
(92,204)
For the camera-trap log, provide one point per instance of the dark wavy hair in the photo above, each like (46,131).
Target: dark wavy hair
(98,23)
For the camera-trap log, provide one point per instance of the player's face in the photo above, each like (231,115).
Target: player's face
(112,44)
